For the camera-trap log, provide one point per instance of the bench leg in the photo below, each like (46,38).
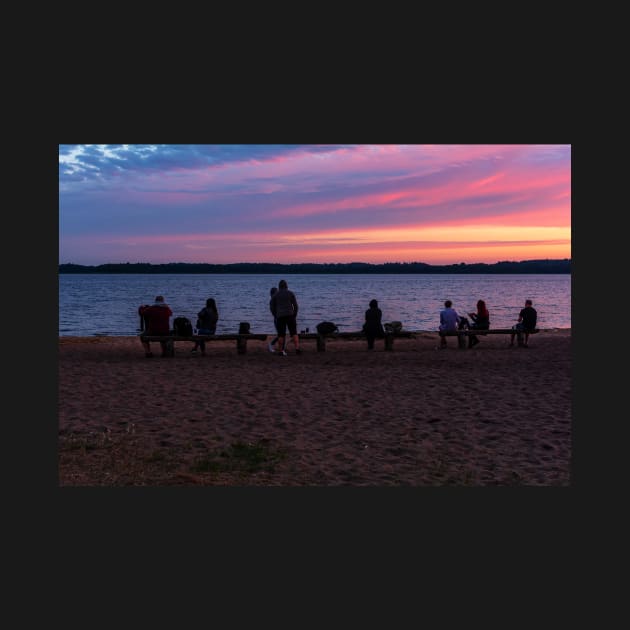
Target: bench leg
(168,348)
(389,342)
(241,345)
(321,343)
(461,341)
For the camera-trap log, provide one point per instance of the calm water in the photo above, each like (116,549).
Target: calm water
(100,304)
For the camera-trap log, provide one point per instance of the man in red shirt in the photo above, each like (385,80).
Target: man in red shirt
(156,322)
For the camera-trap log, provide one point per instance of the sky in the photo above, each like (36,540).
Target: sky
(436,204)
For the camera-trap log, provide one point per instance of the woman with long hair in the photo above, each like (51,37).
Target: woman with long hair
(480,321)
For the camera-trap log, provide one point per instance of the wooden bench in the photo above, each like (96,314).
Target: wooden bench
(389,337)
(462,334)
(241,340)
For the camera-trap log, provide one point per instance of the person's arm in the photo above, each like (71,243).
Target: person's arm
(295,304)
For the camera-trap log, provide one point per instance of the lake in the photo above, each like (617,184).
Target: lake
(107,304)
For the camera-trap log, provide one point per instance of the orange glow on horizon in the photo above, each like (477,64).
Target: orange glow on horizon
(432,245)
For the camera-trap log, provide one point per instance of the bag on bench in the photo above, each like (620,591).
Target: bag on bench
(326,328)
(182,327)
(393,327)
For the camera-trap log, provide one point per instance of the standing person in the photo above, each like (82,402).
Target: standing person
(284,307)
(156,318)
(481,321)
(449,321)
(373,327)
(274,341)
(207,319)
(527,319)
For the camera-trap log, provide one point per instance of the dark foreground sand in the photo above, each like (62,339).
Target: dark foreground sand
(416,416)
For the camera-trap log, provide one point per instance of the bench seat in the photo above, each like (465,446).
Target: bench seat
(359,334)
(468,332)
(241,340)
(389,337)
(490,331)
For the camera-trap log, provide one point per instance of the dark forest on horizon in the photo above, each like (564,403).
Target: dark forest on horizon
(523,266)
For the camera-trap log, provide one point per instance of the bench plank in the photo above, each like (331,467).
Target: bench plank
(389,337)
(469,332)
(241,340)
(359,334)
(490,331)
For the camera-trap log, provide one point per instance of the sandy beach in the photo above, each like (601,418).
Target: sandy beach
(416,416)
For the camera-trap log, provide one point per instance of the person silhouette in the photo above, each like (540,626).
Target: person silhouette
(274,341)
(284,307)
(156,319)
(372,326)
(449,321)
(480,321)
(527,320)
(207,319)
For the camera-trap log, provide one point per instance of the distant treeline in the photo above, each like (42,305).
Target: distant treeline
(524,266)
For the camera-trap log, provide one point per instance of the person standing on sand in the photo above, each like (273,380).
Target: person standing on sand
(284,307)
(373,327)
(274,341)
(449,321)
(527,319)
(207,319)
(157,322)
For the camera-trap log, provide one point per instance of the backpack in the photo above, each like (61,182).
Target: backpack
(393,327)
(326,328)
(182,327)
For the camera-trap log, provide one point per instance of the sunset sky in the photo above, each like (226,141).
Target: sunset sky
(437,204)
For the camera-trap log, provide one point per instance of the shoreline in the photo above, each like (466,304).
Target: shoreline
(87,338)
(491,415)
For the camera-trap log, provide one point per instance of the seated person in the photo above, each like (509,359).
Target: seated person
(527,319)
(449,321)
(156,319)
(207,319)
(480,321)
